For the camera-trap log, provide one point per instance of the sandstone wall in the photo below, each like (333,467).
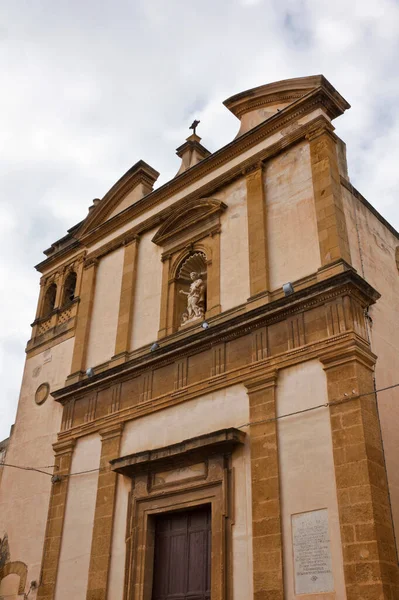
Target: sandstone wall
(24,495)
(373,248)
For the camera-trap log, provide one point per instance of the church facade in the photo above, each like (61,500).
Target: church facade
(209,393)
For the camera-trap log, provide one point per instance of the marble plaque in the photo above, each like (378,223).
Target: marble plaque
(312,553)
(170,477)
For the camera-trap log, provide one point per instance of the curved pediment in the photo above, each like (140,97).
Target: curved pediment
(189,216)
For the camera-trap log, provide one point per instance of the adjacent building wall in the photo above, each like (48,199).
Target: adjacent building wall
(373,248)
(225,408)
(24,495)
(293,243)
(307,476)
(104,320)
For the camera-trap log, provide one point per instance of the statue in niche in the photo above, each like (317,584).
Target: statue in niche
(195,299)
(192,290)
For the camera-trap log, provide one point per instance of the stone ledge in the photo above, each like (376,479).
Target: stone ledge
(195,448)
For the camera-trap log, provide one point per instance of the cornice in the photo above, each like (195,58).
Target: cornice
(253,162)
(240,375)
(283,91)
(184,344)
(320,97)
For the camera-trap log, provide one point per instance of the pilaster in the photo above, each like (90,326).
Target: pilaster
(55,520)
(370,561)
(266,509)
(104,515)
(84,318)
(257,236)
(213,285)
(331,223)
(163,319)
(125,316)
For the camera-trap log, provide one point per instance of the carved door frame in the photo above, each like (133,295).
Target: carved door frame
(191,474)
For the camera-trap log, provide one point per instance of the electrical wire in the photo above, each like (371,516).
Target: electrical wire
(325,405)
(270,420)
(88,471)
(25,468)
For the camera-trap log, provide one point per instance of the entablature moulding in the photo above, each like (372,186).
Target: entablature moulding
(286,121)
(327,317)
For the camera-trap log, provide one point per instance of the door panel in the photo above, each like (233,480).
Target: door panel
(182,556)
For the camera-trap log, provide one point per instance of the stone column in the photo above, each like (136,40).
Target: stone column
(331,223)
(103,516)
(43,285)
(125,317)
(257,236)
(83,322)
(266,510)
(55,520)
(370,561)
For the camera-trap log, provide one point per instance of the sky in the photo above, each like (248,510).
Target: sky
(91,86)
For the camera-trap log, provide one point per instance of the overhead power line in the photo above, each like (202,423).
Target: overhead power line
(270,420)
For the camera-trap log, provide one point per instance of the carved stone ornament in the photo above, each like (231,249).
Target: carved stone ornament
(193,270)
(191,215)
(42,393)
(195,300)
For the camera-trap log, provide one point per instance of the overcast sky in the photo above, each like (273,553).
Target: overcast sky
(91,86)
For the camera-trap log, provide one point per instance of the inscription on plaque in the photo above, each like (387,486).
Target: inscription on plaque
(312,553)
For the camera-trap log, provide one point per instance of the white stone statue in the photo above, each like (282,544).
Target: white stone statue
(195,299)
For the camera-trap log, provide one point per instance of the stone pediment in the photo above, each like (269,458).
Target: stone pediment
(259,104)
(137,182)
(193,214)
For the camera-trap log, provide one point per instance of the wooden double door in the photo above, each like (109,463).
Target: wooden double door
(182,557)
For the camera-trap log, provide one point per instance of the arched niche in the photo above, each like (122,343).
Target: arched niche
(191,284)
(49,300)
(13,579)
(191,227)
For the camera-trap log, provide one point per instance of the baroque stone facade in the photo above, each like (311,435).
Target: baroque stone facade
(204,373)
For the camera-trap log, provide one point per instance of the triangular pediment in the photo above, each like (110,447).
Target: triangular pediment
(186,217)
(132,186)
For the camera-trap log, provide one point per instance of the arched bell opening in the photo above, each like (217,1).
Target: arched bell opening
(191,282)
(69,288)
(49,300)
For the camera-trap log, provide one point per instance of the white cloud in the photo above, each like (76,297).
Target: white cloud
(89,88)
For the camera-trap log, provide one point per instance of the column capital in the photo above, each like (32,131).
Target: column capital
(261,381)
(357,351)
(131,238)
(90,262)
(64,446)
(253,169)
(112,431)
(320,127)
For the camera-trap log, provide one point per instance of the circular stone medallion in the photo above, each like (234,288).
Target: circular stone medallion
(42,393)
